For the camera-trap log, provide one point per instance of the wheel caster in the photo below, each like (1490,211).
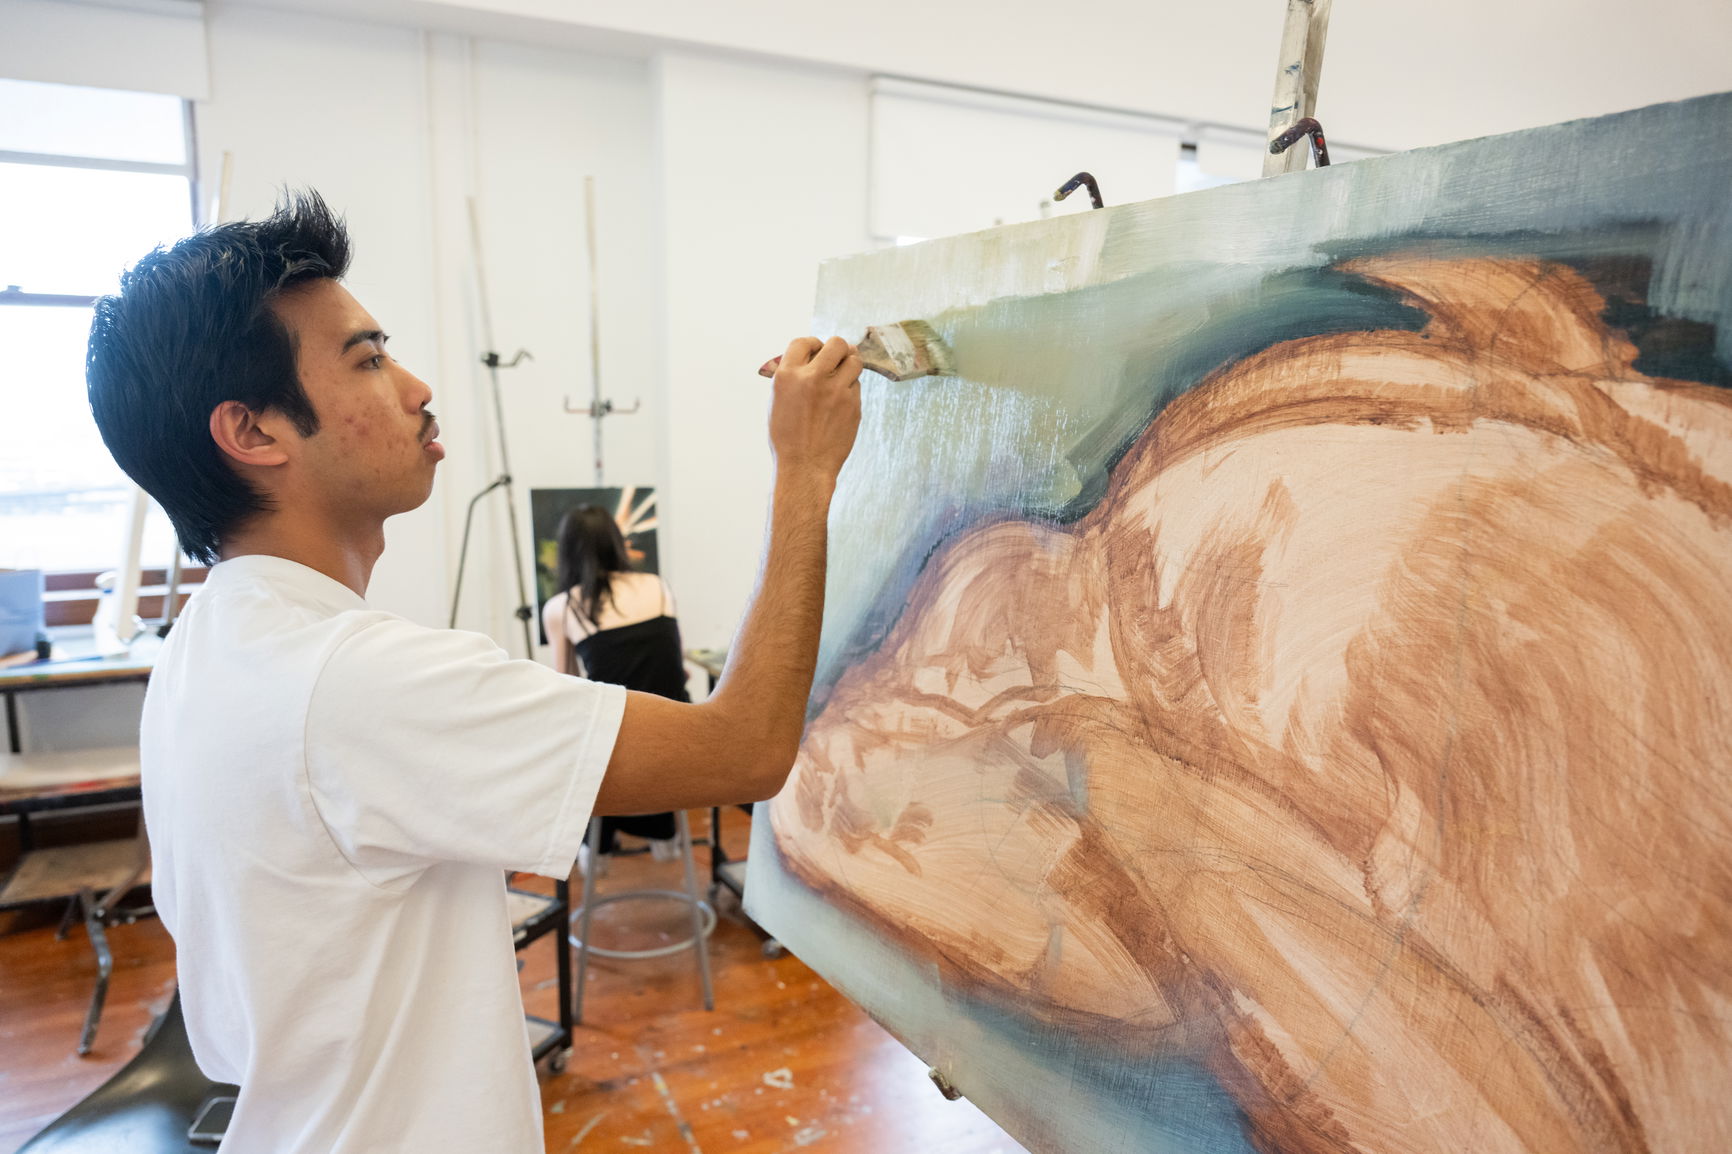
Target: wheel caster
(774,949)
(557,1063)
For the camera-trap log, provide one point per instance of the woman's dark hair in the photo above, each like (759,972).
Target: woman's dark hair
(192,327)
(591,550)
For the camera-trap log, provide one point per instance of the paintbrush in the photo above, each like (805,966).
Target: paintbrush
(901,352)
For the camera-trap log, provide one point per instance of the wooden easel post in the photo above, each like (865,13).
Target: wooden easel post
(1301,67)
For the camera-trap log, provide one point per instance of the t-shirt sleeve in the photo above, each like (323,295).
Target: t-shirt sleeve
(430,745)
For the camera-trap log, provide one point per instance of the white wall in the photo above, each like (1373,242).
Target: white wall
(763,172)
(398,129)
(1398,73)
(303,101)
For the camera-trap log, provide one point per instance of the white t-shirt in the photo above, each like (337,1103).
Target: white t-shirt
(333,795)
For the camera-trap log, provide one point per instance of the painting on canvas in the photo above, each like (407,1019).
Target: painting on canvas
(1278,696)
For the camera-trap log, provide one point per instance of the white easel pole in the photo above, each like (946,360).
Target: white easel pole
(1301,67)
(116,630)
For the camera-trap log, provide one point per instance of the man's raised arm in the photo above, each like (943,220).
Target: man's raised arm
(738,745)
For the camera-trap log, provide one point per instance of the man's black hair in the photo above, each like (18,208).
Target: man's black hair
(192,327)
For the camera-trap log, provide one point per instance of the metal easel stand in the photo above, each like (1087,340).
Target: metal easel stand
(730,874)
(493,362)
(599,407)
(523,613)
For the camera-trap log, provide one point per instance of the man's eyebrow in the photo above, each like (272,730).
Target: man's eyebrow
(375,335)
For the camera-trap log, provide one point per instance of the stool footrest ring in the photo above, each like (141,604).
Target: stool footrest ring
(704,908)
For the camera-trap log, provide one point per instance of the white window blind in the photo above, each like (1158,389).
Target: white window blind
(136,45)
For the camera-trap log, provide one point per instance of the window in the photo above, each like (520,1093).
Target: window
(90,180)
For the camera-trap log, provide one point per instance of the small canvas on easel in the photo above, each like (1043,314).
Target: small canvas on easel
(1279,696)
(633,508)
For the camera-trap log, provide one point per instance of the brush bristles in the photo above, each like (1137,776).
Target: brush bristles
(905,350)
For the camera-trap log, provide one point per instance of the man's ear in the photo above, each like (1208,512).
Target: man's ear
(242,434)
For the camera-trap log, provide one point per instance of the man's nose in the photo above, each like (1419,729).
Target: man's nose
(420,392)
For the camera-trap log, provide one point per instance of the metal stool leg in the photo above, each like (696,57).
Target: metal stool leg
(74,908)
(700,946)
(93,922)
(593,864)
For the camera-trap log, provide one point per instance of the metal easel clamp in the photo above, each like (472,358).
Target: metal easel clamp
(1306,127)
(603,408)
(945,1087)
(1081,180)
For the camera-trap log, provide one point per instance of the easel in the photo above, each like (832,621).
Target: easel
(599,407)
(492,360)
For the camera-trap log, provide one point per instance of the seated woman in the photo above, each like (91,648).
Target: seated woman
(612,623)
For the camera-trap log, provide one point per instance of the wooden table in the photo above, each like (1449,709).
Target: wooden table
(75,662)
(88,777)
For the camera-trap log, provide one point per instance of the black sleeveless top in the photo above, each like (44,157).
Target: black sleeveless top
(645,656)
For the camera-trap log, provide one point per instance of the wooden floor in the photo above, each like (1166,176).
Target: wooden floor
(784,1063)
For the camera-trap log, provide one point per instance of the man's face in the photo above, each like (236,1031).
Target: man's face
(375,451)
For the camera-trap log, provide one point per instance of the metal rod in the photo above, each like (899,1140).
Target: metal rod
(523,613)
(1308,127)
(562,891)
(463,550)
(104,968)
(591,865)
(596,411)
(1081,180)
(491,359)
(480,275)
(700,945)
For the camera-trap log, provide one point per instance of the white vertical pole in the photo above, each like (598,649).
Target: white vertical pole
(118,625)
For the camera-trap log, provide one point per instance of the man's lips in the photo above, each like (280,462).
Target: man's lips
(430,440)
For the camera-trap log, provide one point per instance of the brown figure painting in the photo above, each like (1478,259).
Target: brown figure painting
(1278,697)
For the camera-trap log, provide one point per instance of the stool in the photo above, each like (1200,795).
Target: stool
(703,916)
(93,878)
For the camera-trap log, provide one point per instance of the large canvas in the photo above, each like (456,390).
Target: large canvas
(1279,696)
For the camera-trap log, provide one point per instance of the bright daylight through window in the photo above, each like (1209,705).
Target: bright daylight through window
(90,180)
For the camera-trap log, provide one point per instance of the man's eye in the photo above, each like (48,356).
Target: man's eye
(374,361)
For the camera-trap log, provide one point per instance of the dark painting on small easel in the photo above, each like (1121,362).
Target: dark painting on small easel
(1279,701)
(633,508)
